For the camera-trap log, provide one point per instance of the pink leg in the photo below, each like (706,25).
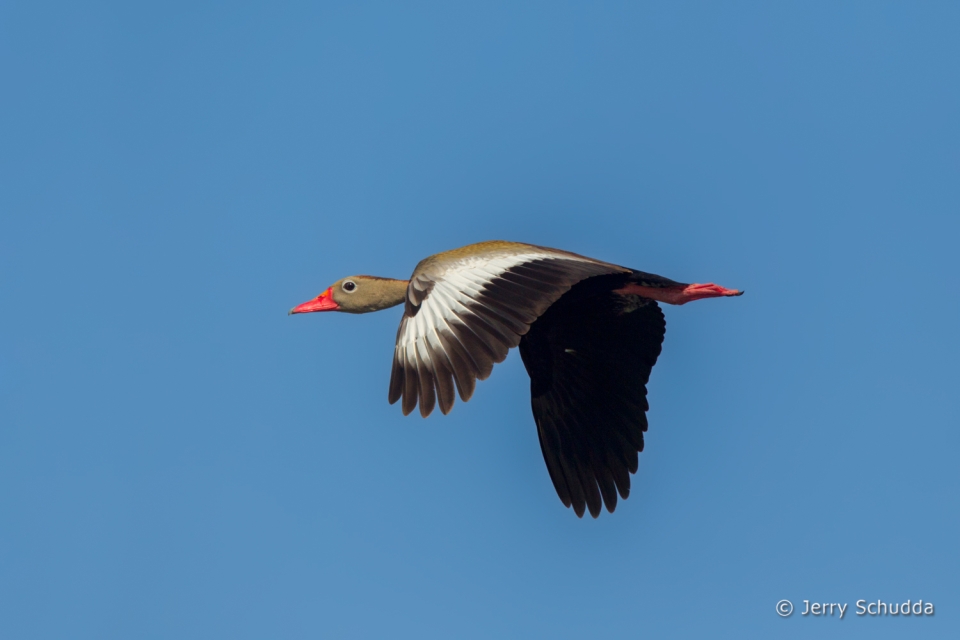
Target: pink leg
(679,295)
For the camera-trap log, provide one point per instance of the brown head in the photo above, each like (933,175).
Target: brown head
(357,294)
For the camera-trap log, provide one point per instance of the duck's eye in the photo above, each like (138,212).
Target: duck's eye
(349,285)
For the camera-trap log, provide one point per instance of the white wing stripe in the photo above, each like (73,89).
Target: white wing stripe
(468,315)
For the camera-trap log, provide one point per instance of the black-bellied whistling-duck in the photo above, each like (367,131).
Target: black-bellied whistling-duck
(589,333)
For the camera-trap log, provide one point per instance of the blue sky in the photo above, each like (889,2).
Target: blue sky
(181,459)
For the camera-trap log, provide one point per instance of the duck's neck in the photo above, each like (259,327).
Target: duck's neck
(394,292)
(383,293)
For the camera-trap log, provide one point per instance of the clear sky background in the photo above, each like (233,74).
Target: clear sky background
(181,459)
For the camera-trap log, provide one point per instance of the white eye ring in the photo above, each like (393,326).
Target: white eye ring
(349,286)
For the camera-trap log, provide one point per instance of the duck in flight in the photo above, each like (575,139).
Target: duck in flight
(589,333)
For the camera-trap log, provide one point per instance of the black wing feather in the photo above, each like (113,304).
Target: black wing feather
(589,358)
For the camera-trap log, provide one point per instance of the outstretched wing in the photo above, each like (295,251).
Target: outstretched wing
(466,309)
(589,358)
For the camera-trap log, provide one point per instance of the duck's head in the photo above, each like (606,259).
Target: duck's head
(357,294)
